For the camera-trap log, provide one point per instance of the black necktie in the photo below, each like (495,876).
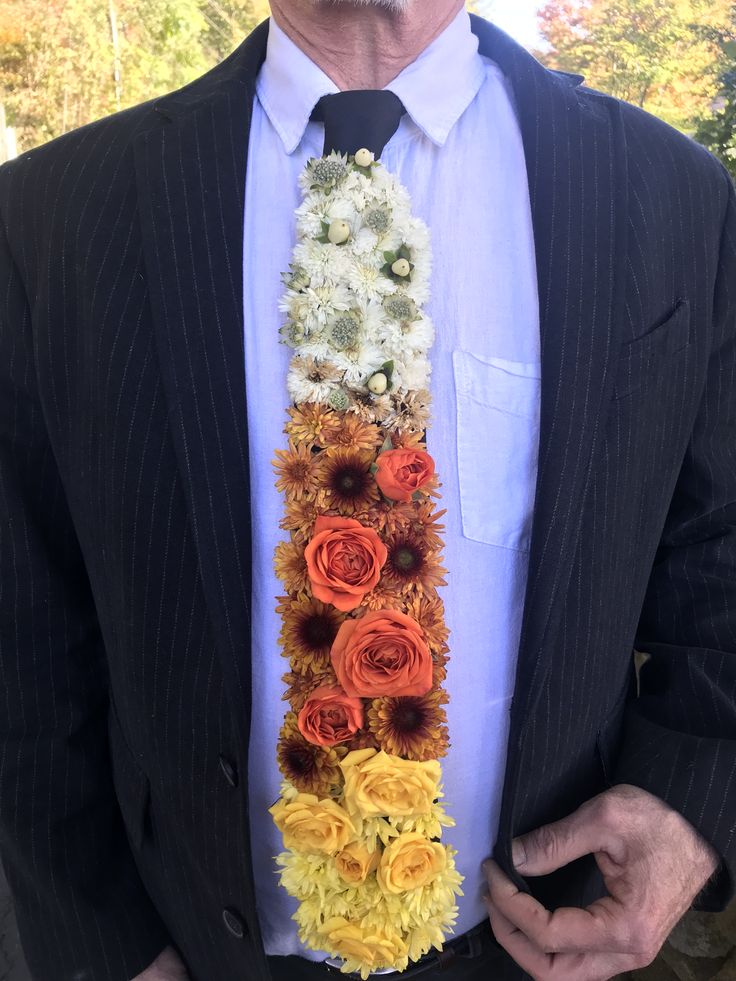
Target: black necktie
(360,118)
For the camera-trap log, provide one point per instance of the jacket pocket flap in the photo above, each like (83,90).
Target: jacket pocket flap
(638,358)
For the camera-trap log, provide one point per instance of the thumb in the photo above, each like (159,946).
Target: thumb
(554,845)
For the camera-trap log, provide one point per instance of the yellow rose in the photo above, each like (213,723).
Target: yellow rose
(364,950)
(355,863)
(410,861)
(379,785)
(309,824)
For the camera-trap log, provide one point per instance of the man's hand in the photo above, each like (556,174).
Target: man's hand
(653,862)
(167,967)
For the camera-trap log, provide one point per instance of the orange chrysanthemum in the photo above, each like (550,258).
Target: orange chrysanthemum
(291,567)
(346,481)
(411,566)
(300,516)
(308,629)
(300,684)
(405,440)
(413,727)
(352,433)
(297,472)
(311,769)
(429,612)
(311,424)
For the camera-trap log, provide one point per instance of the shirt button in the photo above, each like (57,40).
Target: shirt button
(234,922)
(231,774)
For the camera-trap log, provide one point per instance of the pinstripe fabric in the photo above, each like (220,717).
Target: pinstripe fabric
(124,536)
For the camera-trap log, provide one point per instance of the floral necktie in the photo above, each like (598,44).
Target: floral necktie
(363,624)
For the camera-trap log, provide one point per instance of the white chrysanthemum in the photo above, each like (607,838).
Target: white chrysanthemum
(367,280)
(316,305)
(360,363)
(365,243)
(310,380)
(417,335)
(411,374)
(323,263)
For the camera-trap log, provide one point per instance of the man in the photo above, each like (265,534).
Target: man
(584,406)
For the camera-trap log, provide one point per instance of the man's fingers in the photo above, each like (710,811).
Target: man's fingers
(550,847)
(555,967)
(602,927)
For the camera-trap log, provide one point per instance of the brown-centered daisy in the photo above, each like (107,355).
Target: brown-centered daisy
(296,471)
(413,726)
(411,566)
(308,629)
(311,769)
(346,481)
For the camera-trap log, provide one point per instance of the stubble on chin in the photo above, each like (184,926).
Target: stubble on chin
(394,6)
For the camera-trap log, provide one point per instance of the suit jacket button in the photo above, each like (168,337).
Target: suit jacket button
(234,922)
(231,774)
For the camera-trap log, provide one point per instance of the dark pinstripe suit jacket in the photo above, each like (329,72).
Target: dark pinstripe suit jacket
(124,512)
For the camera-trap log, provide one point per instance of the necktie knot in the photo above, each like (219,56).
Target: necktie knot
(359,118)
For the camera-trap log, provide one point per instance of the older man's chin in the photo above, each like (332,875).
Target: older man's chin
(397,6)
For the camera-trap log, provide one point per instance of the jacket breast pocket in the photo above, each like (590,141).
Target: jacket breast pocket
(641,361)
(497,447)
(132,787)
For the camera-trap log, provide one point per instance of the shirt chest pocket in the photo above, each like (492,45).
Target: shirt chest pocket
(497,447)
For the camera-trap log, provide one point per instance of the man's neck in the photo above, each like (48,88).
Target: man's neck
(362,47)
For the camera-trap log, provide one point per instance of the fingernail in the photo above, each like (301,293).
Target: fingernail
(485,865)
(518,853)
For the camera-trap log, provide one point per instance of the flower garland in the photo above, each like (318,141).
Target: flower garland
(362,623)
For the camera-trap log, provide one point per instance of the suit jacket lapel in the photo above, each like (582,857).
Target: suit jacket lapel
(574,148)
(191,176)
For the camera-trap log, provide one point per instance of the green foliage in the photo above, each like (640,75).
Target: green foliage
(657,54)
(66,62)
(717,131)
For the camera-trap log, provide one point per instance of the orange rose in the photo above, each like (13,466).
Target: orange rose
(344,561)
(329,716)
(382,653)
(401,473)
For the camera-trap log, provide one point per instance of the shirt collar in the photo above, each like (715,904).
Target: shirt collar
(436,88)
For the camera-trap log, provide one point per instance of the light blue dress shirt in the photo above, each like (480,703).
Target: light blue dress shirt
(459,152)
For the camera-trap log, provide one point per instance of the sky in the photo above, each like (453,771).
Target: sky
(517,17)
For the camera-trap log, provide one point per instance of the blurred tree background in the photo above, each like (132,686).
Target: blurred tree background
(674,58)
(65,62)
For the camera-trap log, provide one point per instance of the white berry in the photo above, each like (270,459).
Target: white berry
(401,267)
(378,383)
(338,232)
(363,157)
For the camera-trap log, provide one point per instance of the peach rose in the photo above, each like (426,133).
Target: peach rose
(329,716)
(410,861)
(382,653)
(401,473)
(344,561)
(355,863)
(380,785)
(364,948)
(309,824)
